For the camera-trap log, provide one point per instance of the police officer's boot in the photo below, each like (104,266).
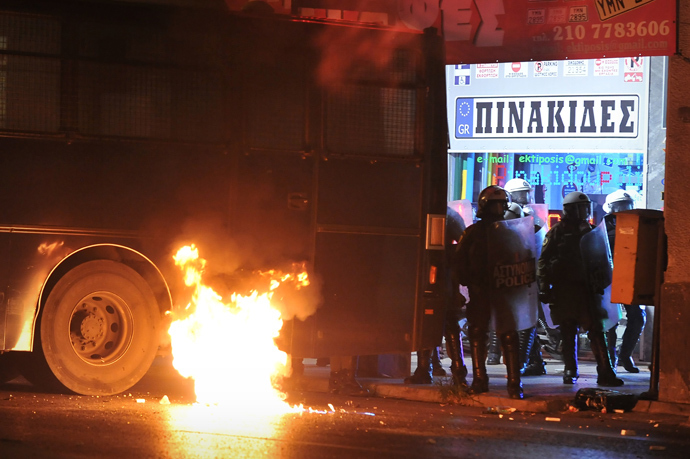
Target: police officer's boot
(436,367)
(636,321)
(510,345)
(627,348)
(536,365)
(335,382)
(480,380)
(526,339)
(605,374)
(611,338)
(494,355)
(349,384)
(457,365)
(569,343)
(422,374)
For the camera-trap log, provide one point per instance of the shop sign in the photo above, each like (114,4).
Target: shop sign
(479,31)
(556,116)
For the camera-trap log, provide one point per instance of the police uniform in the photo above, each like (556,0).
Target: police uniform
(531,361)
(635,315)
(473,270)
(564,284)
(426,367)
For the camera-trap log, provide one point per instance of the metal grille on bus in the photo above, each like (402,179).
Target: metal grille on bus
(140,84)
(120,100)
(371,120)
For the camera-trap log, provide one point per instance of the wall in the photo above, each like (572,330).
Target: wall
(674,312)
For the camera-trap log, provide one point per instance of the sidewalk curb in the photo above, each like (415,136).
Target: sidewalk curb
(653,406)
(430,393)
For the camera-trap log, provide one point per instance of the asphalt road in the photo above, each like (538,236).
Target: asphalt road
(35,424)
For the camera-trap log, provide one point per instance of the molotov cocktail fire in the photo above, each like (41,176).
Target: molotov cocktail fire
(228,347)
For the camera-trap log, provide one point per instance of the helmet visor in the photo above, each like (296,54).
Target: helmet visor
(497,208)
(578,210)
(620,206)
(522,197)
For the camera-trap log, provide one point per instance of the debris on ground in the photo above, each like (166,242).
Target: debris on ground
(500,410)
(604,400)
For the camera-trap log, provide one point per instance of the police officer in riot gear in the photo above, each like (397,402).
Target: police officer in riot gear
(455,227)
(515,210)
(619,201)
(473,270)
(531,361)
(424,372)
(574,297)
(521,193)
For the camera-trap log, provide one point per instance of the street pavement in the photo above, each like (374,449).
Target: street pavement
(545,393)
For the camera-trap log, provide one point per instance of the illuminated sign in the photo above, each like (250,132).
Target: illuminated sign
(594,103)
(555,116)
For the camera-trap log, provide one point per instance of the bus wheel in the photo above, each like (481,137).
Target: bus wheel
(99,328)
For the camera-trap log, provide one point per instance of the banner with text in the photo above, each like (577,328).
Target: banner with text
(514,30)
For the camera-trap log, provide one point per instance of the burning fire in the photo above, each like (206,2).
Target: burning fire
(228,349)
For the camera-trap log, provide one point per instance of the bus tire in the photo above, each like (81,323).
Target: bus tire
(99,329)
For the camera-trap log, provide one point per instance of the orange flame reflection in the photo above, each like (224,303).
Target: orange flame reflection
(228,348)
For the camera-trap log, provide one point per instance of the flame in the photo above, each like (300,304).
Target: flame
(228,349)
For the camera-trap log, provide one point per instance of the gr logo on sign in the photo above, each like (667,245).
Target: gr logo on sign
(464,117)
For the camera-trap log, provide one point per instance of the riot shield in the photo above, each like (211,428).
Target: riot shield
(540,212)
(464,208)
(596,255)
(514,296)
(539,237)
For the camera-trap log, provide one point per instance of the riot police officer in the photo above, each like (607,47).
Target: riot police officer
(619,201)
(531,361)
(521,193)
(574,297)
(473,269)
(424,372)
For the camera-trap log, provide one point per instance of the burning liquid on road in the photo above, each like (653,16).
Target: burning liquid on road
(228,348)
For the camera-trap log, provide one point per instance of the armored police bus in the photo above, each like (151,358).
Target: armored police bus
(129,129)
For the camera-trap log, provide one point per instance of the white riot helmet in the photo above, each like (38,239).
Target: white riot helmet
(618,201)
(520,191)
(577,206)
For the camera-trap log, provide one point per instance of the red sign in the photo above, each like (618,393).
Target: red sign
(479,31)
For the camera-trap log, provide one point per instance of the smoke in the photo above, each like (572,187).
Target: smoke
(356,53)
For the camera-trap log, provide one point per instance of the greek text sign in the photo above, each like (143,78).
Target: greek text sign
(595,102)
(479,31)
(572,116)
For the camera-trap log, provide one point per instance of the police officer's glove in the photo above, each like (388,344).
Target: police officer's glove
(546,297)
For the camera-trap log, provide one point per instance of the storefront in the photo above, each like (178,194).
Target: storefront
(593,125)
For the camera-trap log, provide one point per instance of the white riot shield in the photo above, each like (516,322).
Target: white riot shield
(598,261)
(512,257)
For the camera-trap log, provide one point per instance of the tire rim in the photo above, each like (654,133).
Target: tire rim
(100,328)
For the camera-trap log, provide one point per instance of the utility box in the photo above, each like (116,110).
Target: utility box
(638,256)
